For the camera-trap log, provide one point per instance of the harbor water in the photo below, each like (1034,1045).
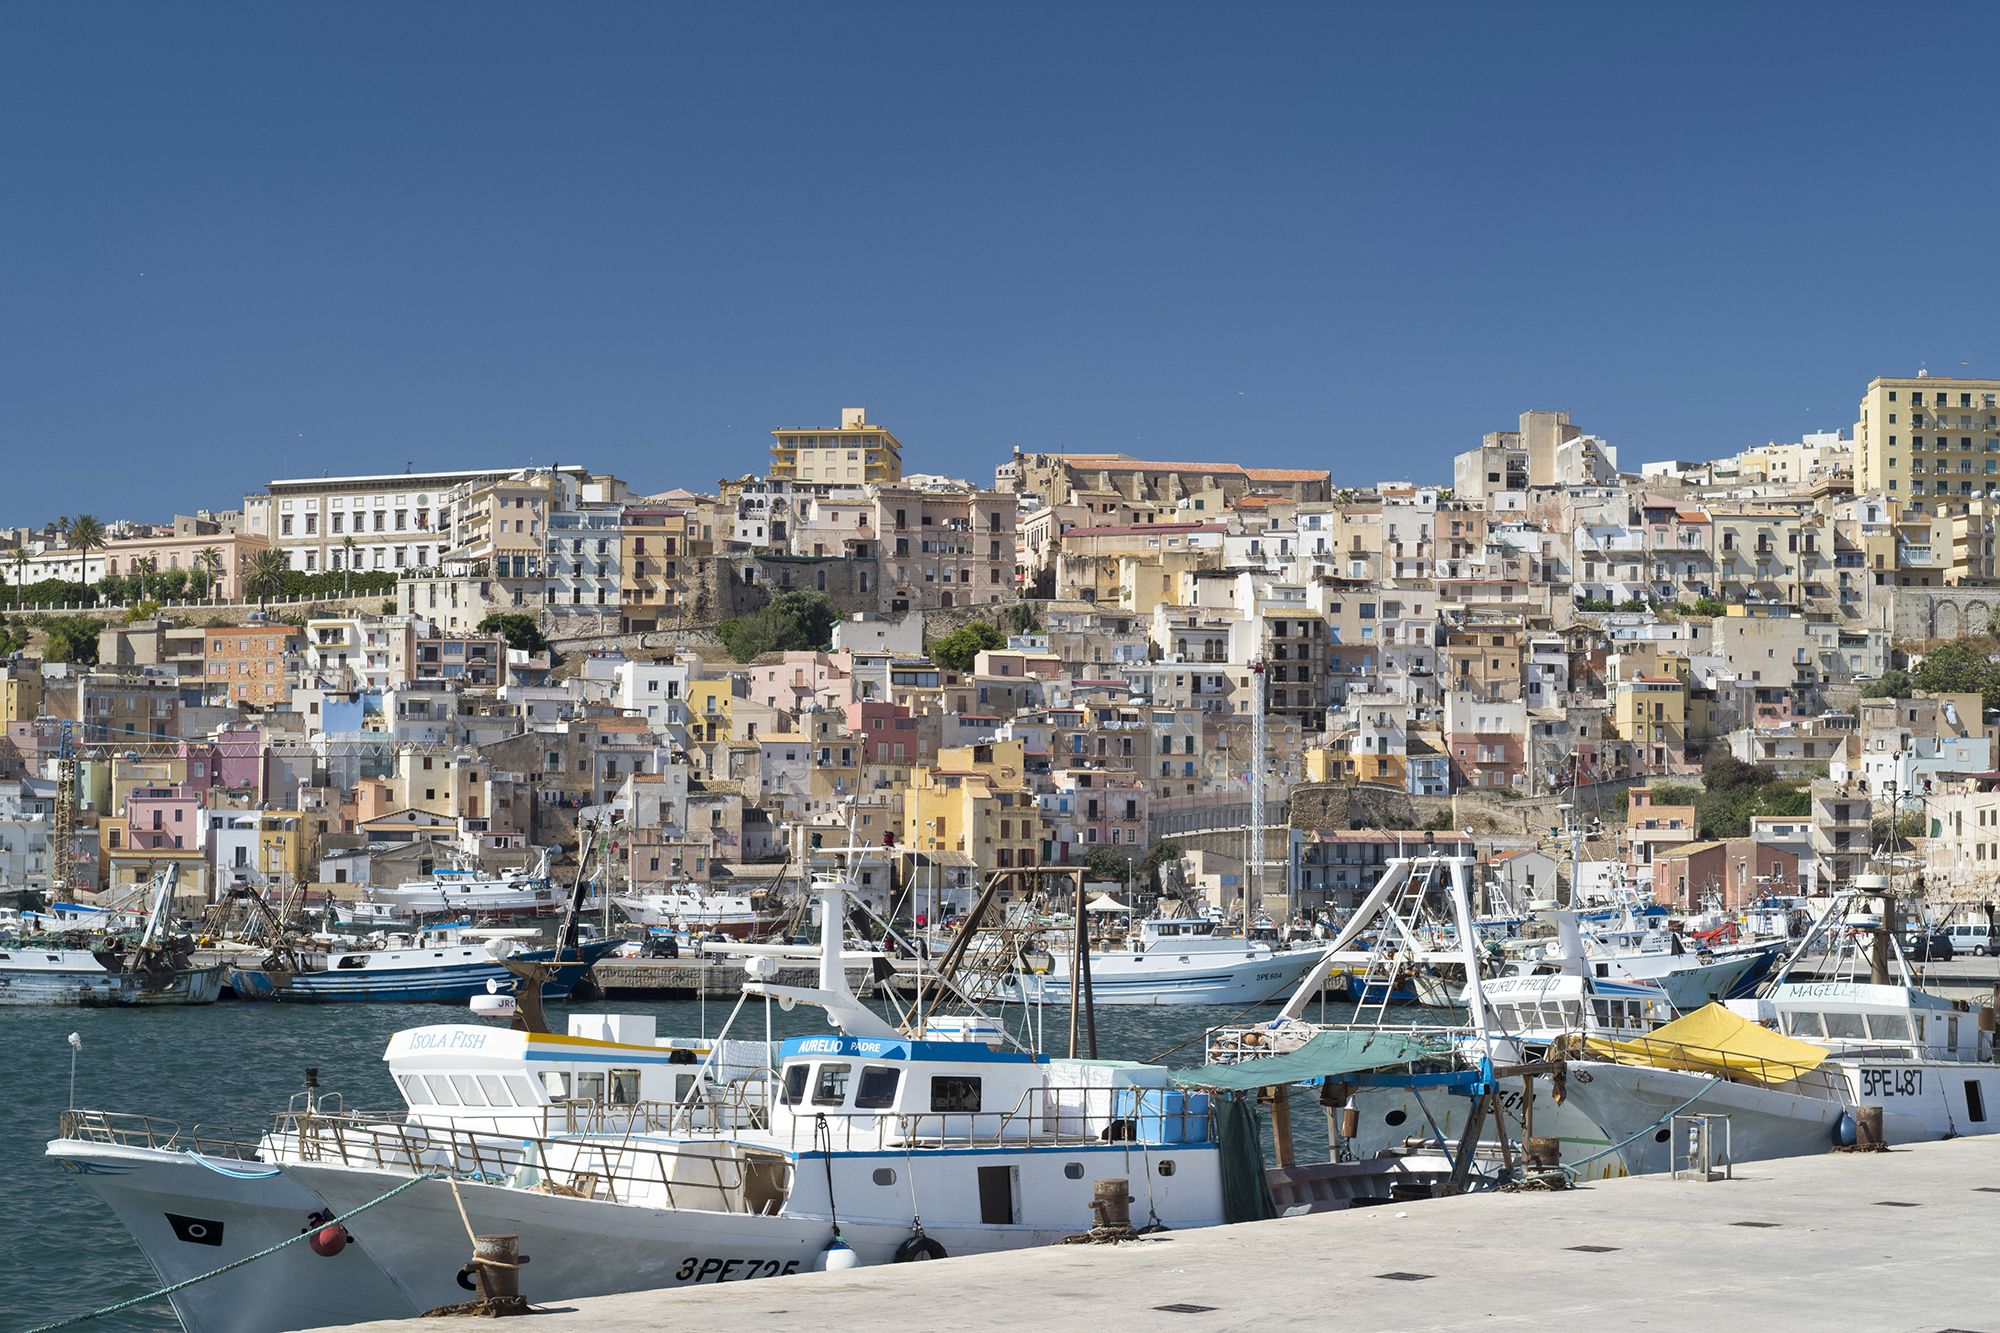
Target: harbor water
(235,1064)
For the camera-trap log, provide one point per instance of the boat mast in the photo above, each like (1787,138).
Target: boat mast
(1253,893)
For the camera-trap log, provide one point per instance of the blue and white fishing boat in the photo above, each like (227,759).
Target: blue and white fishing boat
(432,967)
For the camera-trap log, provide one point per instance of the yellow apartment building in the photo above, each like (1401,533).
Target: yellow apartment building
(1931,441)
(975,800)
(855,453)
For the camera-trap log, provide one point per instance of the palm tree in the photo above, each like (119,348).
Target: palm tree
(20,577)
(347,563)
(264,574)
(86,534)
(209,558)
(143,570)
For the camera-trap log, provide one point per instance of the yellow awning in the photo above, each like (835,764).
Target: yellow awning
(1712,1040)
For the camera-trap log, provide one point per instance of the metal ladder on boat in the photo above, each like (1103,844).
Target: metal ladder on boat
(1395,941)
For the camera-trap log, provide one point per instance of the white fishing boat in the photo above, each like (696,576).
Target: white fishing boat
(699,911)
(1173,961)
(1791,1068)
(866,1145)
(459,889)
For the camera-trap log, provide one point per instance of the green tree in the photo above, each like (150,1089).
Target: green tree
(790,622)
(1958,667)
(72,639)
(264,574)
(1891,684)
(518,629)
(957,650)
(86,534)
(1107,863)
(347,563)
(1707,606)
(209,558)
(1020,618)
(1724,772)
(20,559)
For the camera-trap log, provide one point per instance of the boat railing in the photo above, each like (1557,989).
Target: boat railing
(1042,1117)
(124,1129)
(711,1175)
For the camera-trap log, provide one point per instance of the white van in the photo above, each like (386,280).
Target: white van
(1975,938)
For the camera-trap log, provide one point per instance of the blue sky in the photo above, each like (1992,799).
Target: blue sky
(246,241)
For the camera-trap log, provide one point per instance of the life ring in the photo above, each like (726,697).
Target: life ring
(919,1247)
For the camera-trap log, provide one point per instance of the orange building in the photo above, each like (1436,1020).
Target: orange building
(246,663)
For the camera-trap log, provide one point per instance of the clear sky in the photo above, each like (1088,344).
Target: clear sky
(257,240)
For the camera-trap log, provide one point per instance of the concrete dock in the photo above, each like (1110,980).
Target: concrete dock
(1892,1241)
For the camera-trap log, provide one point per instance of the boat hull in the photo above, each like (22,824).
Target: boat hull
(1921,1101)
(93,987)
(1625,1101)
(406,1251)
(449,982)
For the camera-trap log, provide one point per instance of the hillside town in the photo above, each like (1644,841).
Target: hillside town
(1713,678)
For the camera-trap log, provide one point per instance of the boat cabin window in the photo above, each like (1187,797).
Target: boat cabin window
(795,1086)
(413,1089)
(1805,1023)
(624,1087)
(555,1084)
(830,1089)
(1843,1025)
(878,1087)
(353,960)
(589,1086)
(1889,1027)
(496,1090)
(441,1091)
(467,1089)
(955,1092)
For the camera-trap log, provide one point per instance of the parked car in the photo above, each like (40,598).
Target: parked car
(1932,948)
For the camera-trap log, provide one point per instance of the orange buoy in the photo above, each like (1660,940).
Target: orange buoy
(329,1241)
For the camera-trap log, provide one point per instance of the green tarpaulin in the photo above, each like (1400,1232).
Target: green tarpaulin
(1328,1055)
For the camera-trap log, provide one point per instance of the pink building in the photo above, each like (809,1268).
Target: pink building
(824,679)
(232,761)
(157,818)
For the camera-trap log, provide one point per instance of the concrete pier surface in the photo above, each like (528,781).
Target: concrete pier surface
(1888,1241)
